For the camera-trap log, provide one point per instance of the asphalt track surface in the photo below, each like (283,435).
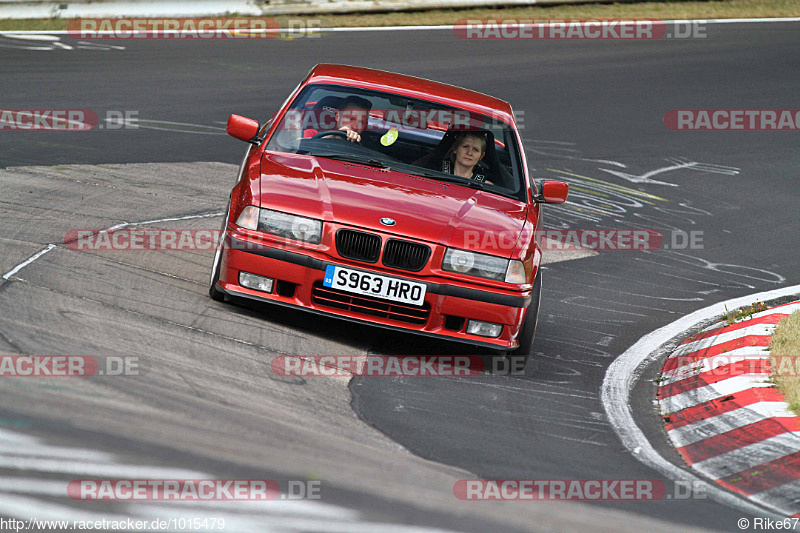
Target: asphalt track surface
(593,115)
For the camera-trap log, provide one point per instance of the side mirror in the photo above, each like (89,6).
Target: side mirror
(552,192)
(243,128)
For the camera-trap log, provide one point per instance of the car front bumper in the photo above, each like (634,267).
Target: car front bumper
(298,275)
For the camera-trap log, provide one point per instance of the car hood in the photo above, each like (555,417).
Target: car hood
(360,196)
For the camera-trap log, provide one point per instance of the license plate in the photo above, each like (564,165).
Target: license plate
(375,285)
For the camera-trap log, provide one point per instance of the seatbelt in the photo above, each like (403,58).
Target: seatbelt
(446,167)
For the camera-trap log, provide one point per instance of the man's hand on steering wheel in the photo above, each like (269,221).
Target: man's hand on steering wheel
(352,135)
(345,132)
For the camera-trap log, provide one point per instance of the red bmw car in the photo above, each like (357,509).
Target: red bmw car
(392,200)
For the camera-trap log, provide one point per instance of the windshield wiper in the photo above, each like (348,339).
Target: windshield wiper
(377,163)
(457,180)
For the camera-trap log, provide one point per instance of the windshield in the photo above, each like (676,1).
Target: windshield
(404,134)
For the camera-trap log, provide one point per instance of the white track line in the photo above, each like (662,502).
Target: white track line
(28,261)
(24,507)
(29,485)
(101,470)
(49,499)
(112,228)
(627,370)
(306,508)
(125,224)
(430,28)
(53,452)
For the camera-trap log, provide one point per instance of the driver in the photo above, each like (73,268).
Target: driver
(463,156)
(351,118)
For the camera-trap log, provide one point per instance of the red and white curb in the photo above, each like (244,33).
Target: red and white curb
(627,370)
(724,416)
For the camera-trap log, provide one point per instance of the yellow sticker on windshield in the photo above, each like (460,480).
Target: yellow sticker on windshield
(389,137)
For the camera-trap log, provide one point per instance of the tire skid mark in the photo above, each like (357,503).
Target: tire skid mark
(159,319)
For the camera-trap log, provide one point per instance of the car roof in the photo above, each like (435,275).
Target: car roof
(412,86)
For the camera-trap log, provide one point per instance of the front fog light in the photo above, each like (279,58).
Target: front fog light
(484,329)
(258,283)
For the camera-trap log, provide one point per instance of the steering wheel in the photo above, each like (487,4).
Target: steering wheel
(338,133)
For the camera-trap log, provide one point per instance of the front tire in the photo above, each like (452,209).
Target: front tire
(528,332)
(213,291)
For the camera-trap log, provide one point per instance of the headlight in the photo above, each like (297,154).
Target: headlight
(484,266)
(281,224)
(472,264)
(290,226)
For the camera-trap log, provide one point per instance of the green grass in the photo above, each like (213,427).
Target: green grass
(785,352)
(654,10)
(747,311)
